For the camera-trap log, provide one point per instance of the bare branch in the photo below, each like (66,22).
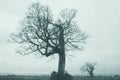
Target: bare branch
(49,37)
(88,67)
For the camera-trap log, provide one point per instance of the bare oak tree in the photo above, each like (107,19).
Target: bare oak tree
(88,67)
(40,33)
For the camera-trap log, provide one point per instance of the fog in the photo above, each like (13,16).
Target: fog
(99,18)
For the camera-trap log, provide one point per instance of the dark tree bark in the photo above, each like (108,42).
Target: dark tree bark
(41,34)
(61,65)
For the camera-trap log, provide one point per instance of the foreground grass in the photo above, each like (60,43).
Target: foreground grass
(96,78)
(18,77)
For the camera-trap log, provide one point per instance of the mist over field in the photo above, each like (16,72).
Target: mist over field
(98,18)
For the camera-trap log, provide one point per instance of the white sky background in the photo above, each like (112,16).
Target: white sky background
(99,18)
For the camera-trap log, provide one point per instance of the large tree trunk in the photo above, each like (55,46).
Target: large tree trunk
(61,67)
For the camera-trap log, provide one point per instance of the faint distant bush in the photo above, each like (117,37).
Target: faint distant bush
(117,76)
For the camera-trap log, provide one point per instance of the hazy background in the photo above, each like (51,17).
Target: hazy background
(99,18)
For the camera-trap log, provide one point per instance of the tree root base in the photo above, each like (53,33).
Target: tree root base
(55,76)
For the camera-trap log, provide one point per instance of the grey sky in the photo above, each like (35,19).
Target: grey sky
(99,18)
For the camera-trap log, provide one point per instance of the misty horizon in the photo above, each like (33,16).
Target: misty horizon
(100,19)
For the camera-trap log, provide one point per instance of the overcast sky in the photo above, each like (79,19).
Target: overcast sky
(99,18)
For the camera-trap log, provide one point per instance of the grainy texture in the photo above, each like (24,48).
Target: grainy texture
(14,77)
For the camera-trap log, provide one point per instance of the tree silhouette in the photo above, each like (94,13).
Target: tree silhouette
(88,67)
(40,33)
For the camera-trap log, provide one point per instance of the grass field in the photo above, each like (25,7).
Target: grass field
(20,77)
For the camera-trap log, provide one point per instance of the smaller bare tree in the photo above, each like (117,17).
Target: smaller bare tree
(88,67)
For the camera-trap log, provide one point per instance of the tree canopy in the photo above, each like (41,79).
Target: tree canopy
(40,32)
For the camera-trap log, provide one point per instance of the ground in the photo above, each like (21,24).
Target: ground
(46,77)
